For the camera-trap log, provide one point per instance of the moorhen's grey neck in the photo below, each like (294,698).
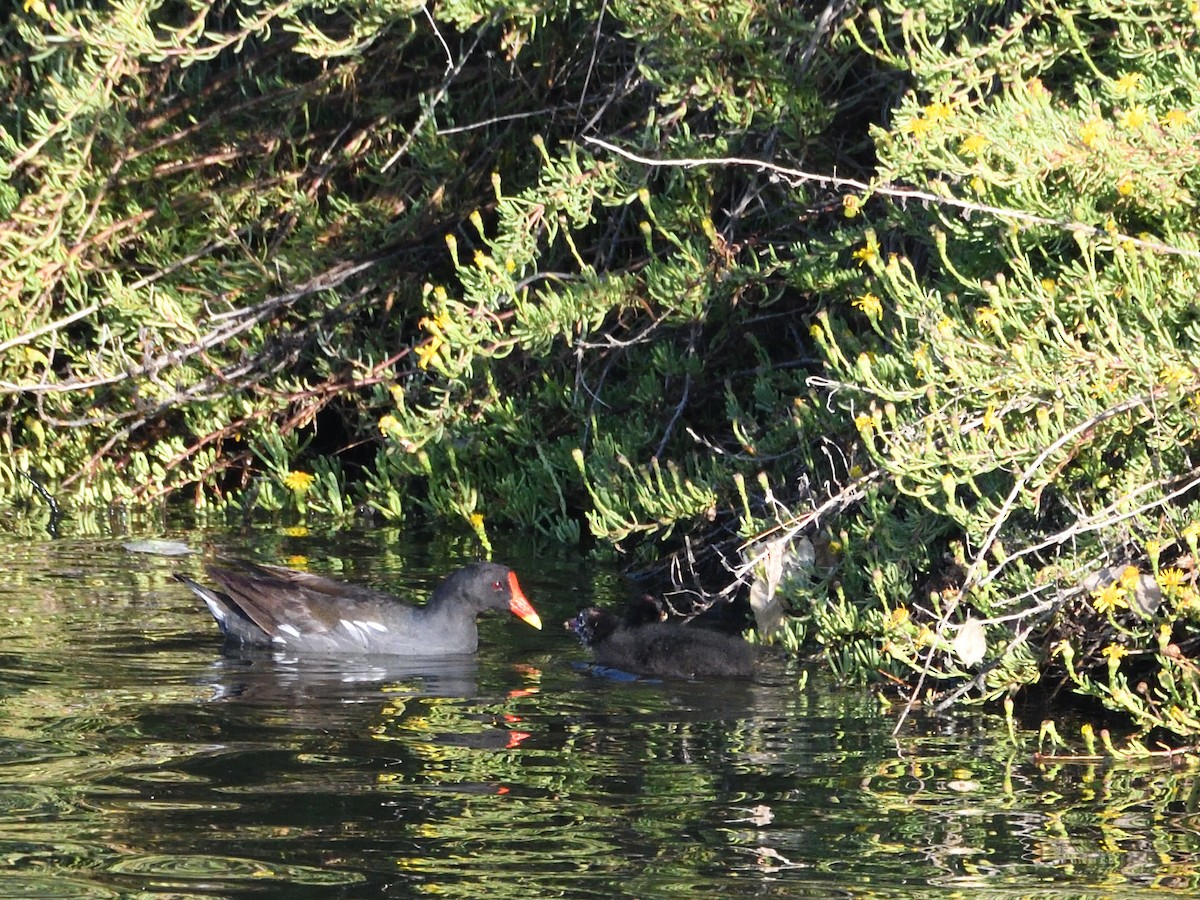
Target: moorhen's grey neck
(270,606)
(661,649)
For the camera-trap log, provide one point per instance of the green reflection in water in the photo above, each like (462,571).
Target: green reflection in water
(135,757)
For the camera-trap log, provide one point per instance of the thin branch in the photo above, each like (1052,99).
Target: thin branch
(49,327)
(433,105)
(798,176)
(250,317)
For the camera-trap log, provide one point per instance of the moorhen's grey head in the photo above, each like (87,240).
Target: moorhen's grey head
(483,586)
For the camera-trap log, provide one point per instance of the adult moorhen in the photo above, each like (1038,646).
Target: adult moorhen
(270,606)
(661,649)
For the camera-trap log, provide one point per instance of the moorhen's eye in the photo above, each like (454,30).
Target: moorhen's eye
(497,586)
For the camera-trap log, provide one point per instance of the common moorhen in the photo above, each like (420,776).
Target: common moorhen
(661,649)
(270,606)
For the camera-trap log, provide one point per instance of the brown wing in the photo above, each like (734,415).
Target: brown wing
(272,596)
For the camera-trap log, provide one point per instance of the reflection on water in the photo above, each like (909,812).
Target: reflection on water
(138,758)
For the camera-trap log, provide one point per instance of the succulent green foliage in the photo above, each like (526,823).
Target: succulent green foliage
(1019,356)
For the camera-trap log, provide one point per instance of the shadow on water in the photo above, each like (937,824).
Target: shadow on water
(137,758)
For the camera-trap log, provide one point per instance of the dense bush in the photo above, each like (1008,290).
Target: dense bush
(889,313)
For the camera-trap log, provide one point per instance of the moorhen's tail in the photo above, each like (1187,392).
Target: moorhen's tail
(231,618)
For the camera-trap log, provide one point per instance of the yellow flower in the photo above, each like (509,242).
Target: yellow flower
(1130,576)
(1174,375)
(990,419)
(851,206)
(870,305)
(298,482)
(1036,88)
(1187,601)
(867,253)
(973,145)
(920,360)
(936,112)
(428,351)
(437,324)
(918,125)
(978,185)
(38,8)
(986,317)
(1050,286)
(476,521)
(1191,534)
(1115,651)
(1127,84)
(1134,118)
(1125,186)
(388,424)
(863,422)
(1109,598)
(1090,132)
(1171,579)
(945,326)
(897,618)
(1174,118)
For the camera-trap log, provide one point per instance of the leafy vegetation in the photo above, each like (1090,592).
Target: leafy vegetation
(888,313)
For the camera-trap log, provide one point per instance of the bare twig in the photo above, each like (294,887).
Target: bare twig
(49,327)
(247,319)
(834,182)
(451,74)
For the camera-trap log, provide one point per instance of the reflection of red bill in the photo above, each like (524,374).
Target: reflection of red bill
(519,605)
(515,738)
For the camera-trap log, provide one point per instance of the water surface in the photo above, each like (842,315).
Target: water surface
(139,759)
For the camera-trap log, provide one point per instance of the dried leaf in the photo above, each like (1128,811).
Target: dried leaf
(780,560)
(970,644)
